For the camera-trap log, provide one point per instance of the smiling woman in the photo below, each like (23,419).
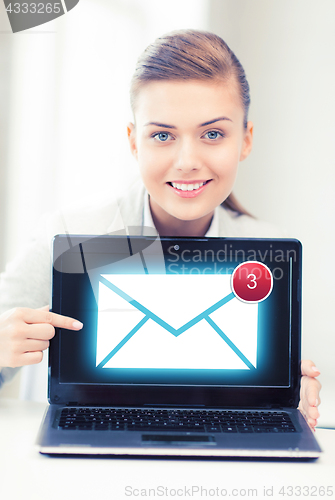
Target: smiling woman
(190,102)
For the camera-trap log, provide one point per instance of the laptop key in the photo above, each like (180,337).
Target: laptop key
(213,428)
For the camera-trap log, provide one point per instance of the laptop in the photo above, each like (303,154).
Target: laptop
(190,347)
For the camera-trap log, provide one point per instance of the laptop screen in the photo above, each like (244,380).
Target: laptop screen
(208,312)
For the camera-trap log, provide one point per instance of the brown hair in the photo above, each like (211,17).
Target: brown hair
(191,55)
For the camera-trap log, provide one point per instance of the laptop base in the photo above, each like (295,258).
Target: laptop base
(54,441)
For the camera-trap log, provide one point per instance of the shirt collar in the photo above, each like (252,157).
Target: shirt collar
(213,230)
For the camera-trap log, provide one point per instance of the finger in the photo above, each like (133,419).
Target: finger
(310,390)
(40,331)
(312,422)
(308,368)
(32,316)
(313,413)
(31,358)
(35,345)
(308,411)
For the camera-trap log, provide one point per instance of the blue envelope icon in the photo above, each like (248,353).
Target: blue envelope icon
(174,321)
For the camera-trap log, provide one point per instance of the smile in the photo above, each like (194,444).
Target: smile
(188,189)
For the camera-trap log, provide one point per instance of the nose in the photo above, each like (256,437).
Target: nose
(187,156)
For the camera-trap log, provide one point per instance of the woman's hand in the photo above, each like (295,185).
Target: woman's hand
(25,333)
(309,392)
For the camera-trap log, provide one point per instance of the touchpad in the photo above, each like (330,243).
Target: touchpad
(177,439)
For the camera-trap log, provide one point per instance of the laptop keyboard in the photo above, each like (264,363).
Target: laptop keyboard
(119,419)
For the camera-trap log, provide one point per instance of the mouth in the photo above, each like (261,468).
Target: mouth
(187,189)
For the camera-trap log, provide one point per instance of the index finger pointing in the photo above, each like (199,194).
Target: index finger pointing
(39,316)
(64,321)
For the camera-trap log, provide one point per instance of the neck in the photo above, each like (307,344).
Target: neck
(167,225)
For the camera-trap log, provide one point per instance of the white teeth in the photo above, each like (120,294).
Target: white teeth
(187,187)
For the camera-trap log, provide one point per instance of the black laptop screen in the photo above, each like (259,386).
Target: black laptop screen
(188,312)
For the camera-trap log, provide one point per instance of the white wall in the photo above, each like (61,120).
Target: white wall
(287,50)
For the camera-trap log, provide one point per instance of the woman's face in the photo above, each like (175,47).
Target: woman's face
(188,139)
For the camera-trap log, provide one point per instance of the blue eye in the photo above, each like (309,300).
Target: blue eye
(161,136)
(213,134)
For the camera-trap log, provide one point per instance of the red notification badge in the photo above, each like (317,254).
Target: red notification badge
(252,281)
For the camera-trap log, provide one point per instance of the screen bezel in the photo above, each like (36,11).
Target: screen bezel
(137,395)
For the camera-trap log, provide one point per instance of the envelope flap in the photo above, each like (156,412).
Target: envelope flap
(175,298)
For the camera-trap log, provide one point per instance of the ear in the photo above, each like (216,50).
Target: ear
(132,139)
(247,141)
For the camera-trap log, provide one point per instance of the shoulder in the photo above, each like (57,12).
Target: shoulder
(232,224)
(100,215)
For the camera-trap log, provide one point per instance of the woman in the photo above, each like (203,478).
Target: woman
(190,100)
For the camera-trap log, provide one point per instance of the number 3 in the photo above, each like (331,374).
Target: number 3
(252,281)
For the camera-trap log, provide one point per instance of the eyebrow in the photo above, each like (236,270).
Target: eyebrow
(157,124)
(164,125)
(215,120)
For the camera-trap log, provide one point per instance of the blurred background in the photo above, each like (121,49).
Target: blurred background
(64,109)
